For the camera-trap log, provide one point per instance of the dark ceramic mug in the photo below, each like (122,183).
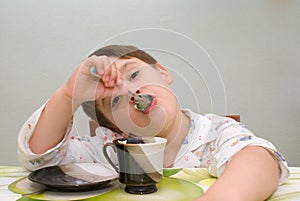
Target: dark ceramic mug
(140,163)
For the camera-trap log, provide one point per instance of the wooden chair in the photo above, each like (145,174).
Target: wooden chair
(234,116)
(93,126)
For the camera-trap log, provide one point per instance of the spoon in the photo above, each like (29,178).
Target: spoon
(142,101)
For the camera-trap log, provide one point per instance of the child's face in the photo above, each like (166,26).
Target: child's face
(140,77)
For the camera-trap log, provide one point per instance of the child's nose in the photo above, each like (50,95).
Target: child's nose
(132,96)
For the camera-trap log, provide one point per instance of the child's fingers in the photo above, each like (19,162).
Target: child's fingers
(102,67)
(93,71)
(97,65)
(109,76)
(119,78)
(113,75)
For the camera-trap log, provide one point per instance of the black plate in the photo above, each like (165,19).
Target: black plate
(74,177)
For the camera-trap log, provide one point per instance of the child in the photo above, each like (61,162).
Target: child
(106,85)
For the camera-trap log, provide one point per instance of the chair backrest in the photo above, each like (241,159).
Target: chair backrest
(94,125)
(234,116)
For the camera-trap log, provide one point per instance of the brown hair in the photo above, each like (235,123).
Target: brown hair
(123,52)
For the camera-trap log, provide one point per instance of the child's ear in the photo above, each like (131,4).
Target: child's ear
(165,73)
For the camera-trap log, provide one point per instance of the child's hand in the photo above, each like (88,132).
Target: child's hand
(93,78)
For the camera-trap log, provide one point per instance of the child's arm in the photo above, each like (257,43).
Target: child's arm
(252,174)
(81,86)
(52,124)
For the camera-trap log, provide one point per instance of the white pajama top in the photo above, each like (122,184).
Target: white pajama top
(211,142)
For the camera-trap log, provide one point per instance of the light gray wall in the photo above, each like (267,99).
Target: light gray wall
(238,57)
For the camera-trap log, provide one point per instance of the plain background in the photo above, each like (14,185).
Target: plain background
(235,56)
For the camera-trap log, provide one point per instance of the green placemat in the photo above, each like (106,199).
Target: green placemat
(168,189)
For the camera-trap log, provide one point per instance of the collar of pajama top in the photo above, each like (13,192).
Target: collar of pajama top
(193,152)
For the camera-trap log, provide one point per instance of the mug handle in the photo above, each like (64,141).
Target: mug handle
(109,144)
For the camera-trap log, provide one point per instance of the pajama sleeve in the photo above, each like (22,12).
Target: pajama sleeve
(233,137)
(71,149)
(33,161)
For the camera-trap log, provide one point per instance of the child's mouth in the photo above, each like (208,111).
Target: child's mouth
(150,106)
(143,102)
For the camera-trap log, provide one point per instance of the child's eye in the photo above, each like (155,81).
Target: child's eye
(133,75)
(115,100)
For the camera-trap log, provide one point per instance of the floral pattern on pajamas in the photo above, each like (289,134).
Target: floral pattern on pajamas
(211,142)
